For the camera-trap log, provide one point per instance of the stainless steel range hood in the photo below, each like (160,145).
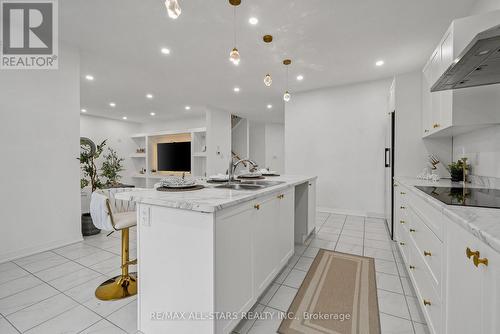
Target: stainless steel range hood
(477,65)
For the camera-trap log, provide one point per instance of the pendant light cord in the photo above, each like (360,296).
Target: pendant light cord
(234,25)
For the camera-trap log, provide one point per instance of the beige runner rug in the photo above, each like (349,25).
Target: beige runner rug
(338,296)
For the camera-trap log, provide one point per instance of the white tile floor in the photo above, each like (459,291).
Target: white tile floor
(53,292)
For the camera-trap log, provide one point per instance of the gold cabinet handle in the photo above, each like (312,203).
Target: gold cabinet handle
(395,184)
(426,253)
(281,196)
(402,243)
(412,230)
(402,221)
(477,261)
(402,207)
(470,253)
(427,302)
(435,126)
(426,130)
(257,206)
(402,193)
(412,267)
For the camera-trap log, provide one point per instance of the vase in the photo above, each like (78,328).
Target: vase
(88,227)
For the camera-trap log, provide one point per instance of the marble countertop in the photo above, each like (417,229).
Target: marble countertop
(209,199)
(484,223)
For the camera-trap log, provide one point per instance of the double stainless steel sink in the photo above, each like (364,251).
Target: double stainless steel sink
(249,185)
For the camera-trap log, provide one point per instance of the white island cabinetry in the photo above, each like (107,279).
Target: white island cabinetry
(212,251)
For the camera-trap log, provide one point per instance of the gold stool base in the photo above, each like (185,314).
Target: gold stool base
(118,287)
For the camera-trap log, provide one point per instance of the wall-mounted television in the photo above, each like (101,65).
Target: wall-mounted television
(174,157)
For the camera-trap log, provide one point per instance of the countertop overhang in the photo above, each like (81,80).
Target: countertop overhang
(210,199)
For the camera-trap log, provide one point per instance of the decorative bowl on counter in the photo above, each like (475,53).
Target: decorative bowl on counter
(177,182)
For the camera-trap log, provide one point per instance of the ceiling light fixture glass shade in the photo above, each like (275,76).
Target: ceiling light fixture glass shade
(268,81)
(173,8)
(234,56)
(287,96)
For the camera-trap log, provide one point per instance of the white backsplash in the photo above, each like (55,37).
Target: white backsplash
(482,148)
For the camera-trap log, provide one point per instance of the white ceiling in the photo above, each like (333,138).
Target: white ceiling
(331,42)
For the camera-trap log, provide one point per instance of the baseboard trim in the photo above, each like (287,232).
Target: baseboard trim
(350,212)
(38,249)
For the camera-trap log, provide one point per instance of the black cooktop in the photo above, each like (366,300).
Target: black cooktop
(478,197)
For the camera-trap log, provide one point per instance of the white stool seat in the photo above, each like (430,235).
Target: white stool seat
(125,219)
(109,213)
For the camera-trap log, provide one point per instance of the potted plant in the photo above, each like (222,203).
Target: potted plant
(111,168)
(89,153)
(457,170)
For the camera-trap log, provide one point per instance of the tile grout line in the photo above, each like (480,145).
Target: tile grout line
(401,283)
(8,321)
(78,303)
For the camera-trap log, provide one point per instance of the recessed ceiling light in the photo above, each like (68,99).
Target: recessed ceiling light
(165,51)
(236,89)
(380,63)
(84,110)
(124,118)
(269,106)
(112,104)
(89,77)
(152,114)
(149,96)
(187,107)
(253,20)
(300,77)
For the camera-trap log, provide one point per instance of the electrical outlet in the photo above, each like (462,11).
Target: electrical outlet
(145,216)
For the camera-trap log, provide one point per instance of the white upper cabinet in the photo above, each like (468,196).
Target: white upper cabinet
(446,113)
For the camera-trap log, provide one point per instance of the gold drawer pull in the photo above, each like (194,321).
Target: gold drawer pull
(435,126)
(402,207)
(257,206)
(280,196)
(412,230)
(402,221)
(477,261)
(412,267)
(402,243)
(426,253)
(395,184)
(426,130)
(470,253)
(402,193)
(427,302)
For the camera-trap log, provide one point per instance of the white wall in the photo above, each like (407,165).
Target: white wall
(257,142)
(275,147)
(39,139)
(240,141)
(118,135)
(483,6)
(339,134)
(189,122)
(218,141)
(482,148)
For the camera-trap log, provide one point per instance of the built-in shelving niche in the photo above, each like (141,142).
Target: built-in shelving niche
(148,160)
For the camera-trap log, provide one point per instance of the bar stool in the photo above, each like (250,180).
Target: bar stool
(111,214)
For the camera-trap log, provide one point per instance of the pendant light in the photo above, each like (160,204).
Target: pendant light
(268,81)
(173,8)
(287,96)
(234,55)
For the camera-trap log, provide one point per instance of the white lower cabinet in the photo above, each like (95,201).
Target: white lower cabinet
(454,294)
(253,242)
(473,291)
(311,207)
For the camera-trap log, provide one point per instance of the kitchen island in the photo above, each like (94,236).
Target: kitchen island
(204,253)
